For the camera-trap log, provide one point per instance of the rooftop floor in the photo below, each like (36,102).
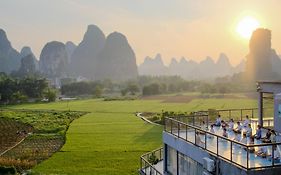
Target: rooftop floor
(239,154)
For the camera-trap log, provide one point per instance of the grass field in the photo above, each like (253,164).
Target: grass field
(110,139)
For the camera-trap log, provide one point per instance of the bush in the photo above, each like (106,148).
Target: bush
(7,170)
(153,159)
(51,95)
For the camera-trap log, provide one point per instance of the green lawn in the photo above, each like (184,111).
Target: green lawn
(110,139)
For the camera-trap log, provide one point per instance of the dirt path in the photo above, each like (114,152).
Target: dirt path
(145,119)
(12,147)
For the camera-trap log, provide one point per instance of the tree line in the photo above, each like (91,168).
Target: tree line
(16,90)
(154,85)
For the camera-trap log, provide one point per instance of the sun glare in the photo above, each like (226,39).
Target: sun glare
(246,26)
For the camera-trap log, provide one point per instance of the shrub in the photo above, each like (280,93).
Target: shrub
(7,170)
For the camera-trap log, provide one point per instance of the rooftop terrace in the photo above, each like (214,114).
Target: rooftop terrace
(237,153)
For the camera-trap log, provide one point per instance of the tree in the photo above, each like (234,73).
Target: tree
(98,91)
(124,92)
(152,89)
(51,95)
(18,97)
(133,89)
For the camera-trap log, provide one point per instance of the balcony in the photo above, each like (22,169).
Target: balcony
(152,163)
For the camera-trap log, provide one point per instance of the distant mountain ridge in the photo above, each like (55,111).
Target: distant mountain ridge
(10,58)
(97,57)
(190,69)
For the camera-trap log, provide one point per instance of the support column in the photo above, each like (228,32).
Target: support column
(277,113)
(260,109)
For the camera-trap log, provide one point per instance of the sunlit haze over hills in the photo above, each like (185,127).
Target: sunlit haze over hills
(174,28)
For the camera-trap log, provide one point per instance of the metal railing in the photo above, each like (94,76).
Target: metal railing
(236,114)
(216,144)
(208,117)
(149,160)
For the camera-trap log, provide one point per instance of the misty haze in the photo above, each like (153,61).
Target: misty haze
(140,87)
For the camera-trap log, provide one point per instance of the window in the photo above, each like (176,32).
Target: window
(171,161)
(179,163)
(188,166)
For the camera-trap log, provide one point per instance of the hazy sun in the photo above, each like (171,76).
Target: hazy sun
(246,26)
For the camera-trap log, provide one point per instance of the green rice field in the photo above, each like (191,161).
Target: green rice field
(110,138)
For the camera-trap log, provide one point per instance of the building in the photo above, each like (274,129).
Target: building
(189,148)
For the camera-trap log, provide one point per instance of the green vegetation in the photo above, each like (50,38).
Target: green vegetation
(14,90)
(110,139)
(43,133)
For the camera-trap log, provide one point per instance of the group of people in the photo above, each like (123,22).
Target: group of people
(246,127)
(246,131)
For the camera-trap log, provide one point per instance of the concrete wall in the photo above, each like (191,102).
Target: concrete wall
(274,88)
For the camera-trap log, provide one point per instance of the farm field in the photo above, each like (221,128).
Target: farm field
(110,139)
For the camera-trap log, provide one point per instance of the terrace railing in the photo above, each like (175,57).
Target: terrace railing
(212,143)
(149,160)
(197,118)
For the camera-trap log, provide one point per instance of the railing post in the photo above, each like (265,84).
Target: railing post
(193,120)
(171,126)
(141,164)
(229,114)
(186,132)
(252,113)
(231,151)
(247,157)
(241,114)
(164,124)
(217,146)
(208,121)
(195,136)
(272,155)
(205,140)
(178,129)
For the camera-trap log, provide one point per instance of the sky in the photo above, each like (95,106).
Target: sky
(175,28)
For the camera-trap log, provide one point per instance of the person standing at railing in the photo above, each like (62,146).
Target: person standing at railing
(218,121)
(258,133)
